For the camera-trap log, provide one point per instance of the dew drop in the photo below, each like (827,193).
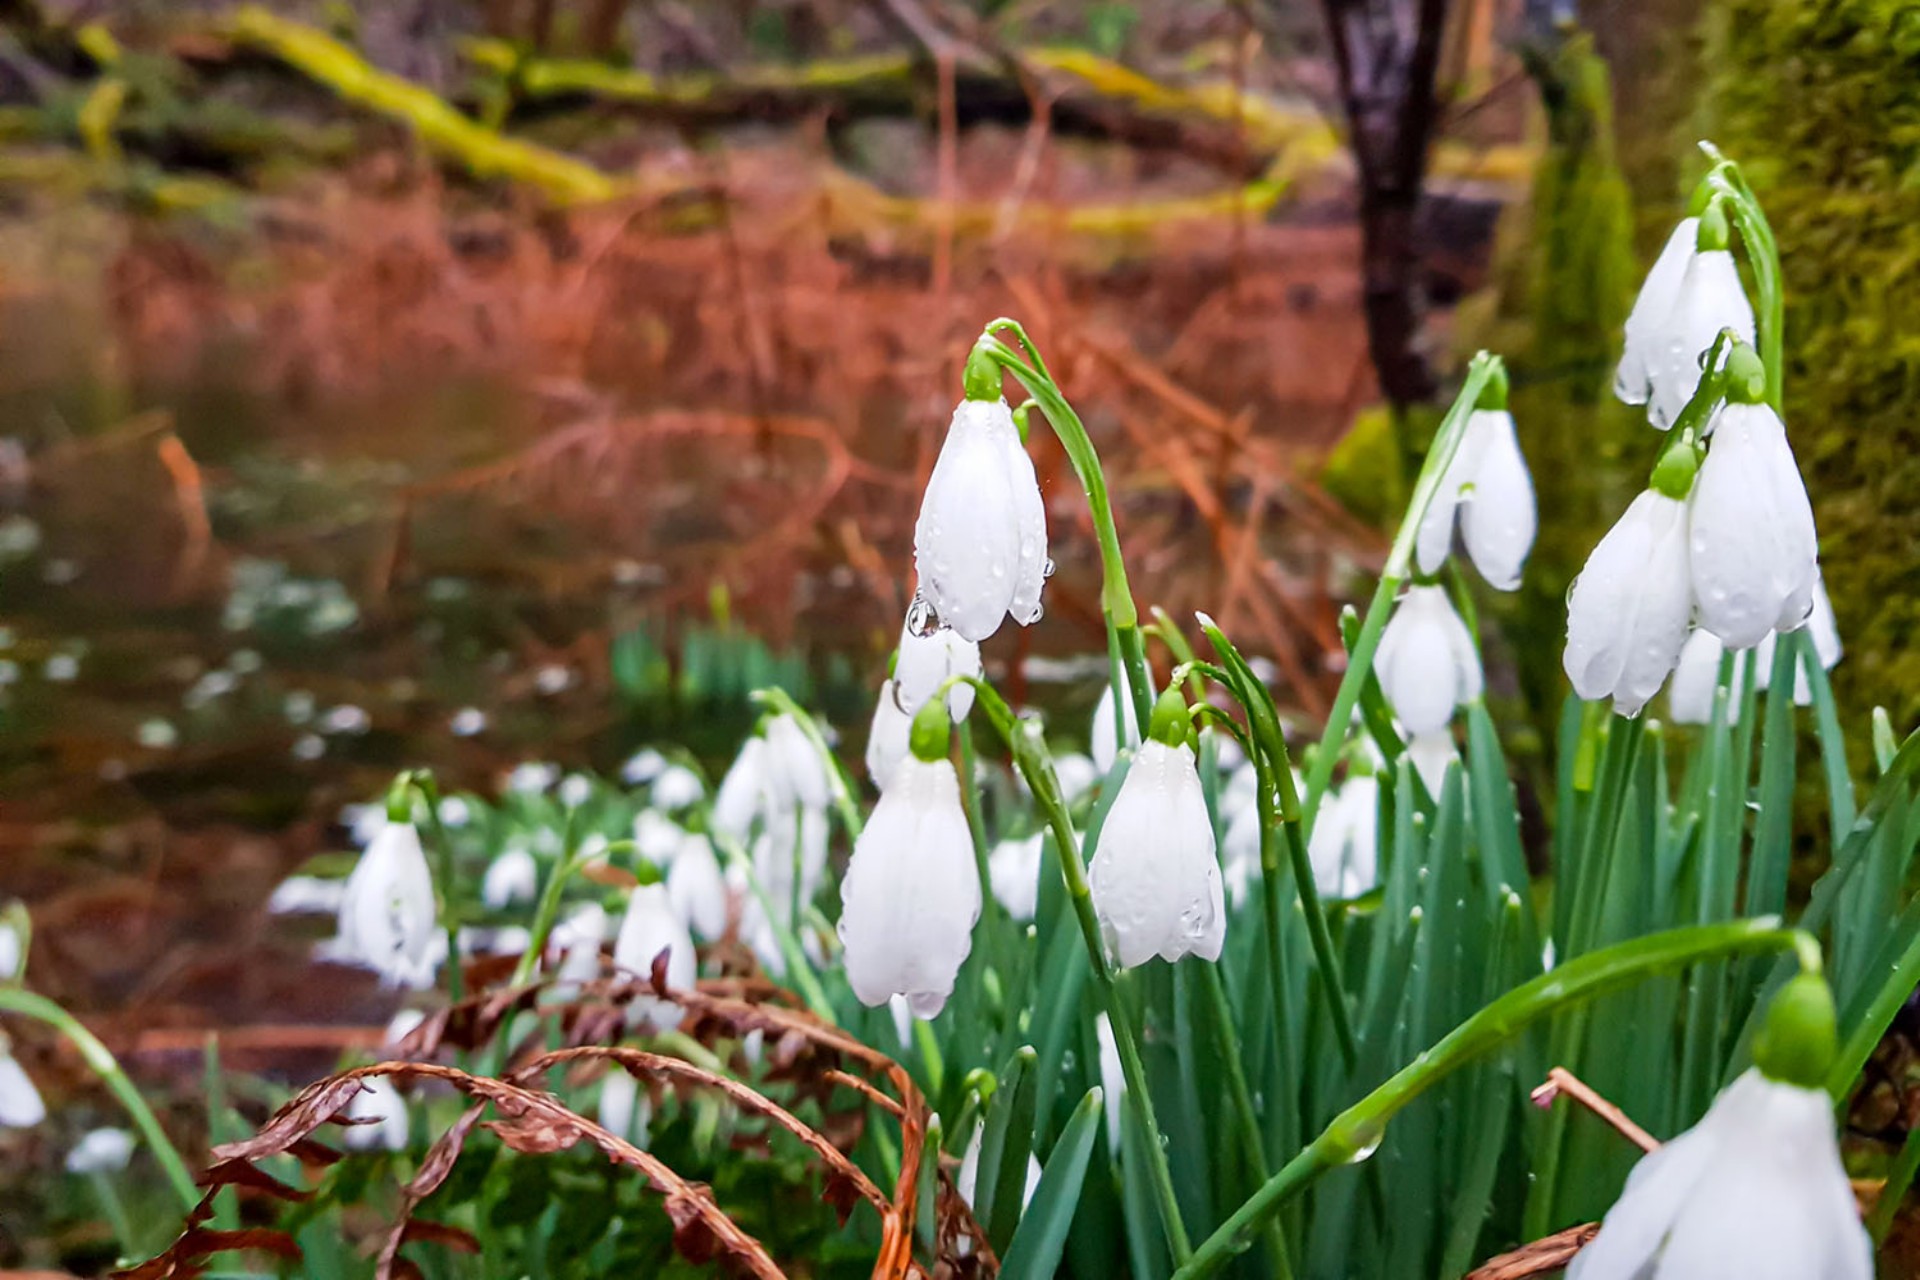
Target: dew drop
(1047,568)
(922,620)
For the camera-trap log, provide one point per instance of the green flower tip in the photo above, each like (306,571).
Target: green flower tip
(1170,723)
(1745,376)
(1714,232)
(1494,394)
(932,731)
(981,378)
(1799,1040)
(1673,474)
(400,799)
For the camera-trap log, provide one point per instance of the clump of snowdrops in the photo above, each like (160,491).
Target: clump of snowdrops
(1221,994)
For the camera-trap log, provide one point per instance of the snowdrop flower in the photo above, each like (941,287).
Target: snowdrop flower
(677,787)
(650,927)
(1156,887)
(1632,382)
(532,778)
(1103,736)
(1488,490)
(101,1151)
(1827,649)
(925,662)
(387,911)
(1013,873)
(1751,537)
(968,1179)
(1240,850)
(796,773)
(1710,298)
(454,811)
(623,1107)
(1431,753)
(403,1024)
(1627,612)
(1345,845)
(1426,661)
(575,790)
(980,543)
(512,877)
(1076,774)
(1756,1189)
(642,767)
(1697,676)
(742,791)
(793,844)
(911,893)
(380,1105)
(20,1104)
(887,736)
(578,938)
(656,837)
(696,888)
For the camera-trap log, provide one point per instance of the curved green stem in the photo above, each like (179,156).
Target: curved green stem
(1029,753)
(1356,1132)
(1763,254)
(1446,442)
(107,1067)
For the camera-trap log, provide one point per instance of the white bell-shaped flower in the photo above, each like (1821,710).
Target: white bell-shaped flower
(20,1104)
(1710,298)
(1754,553)
(1426,661)
(1344,847)
(1103,735)
(1013,872)
(742,794)
(1756,1189)
(1156,885)
(656,837)
(1632,381)
(650,927)
(1628,610)
(677,787)
(101,1151)
(387,912)
(1076,773)
(794,844)
(382,1114)
(887,736)
(1697,676)
(911,894)
(511,877)
(697,888)
(643,766)
(926,662)
(1489,491)
(980,544)
(796,772)
(578,939)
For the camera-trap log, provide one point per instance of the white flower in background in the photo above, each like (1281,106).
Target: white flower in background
(1826,648)
(1345,845)
(1633,381)
(625,1110)
(656,837)
(578,939)
(387,911)
(363,822)
(383,1113)
(887,736)
(1076,774)
(512,877)
(1103,735)
(677,787)
(454,811)
(1426,661)
(1628,610)
(403,1024)
(532,778)
(795,841)
(697,889)
(1240,848)
(1488,490)
(1156,887)
(742,794)
(20,1104)
(911,894)
(967,1181)
(1710,298)
(1431,753)
(575,790)
(926,662)
(467,722)
(1697,675)
(307,895)
(980,543)
(13,951)
(642,767)
(1227,754)
(1013,872)
(1755,1190)
(1755,557)
(796,772)
(648,928)
(1113,1079)
(101,1151)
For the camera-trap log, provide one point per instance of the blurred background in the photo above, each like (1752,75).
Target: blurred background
(474,382)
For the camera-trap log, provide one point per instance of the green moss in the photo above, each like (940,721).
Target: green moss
(1820,103)
(1363,471)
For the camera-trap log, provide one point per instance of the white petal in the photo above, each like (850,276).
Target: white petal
(1431,753)
(1635,1227)
(621,1104)
(742,792)
(697,889)
(1823,628)
(1076,774)
(1752,538)
(1628,610)
(650,927)
(512,877)
(1426,662)
(911,894)
(1155,882)
(1103,735)
(378,1101)
(1690,694)
(656,836)
(101,1151)
(387,912)
(20,1104)
(1498,519)
(797,773)
(1711,298)
(1013,871)
(1651,309)
(888,736)
(979,544)
(1113,1078)
(926,662)
(1435,538)
(676,787)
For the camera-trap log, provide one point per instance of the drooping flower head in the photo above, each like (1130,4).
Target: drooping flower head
(1710,298)
(20,1104)
(697,888)
(1345,845)
(911,894)
(1488,491)
(649,928)
(1633,381)
(511,877)
(1155,882)
(980,544)
(387,912)
(923,662)
(1628,611)
(1013,872)
(1426,662)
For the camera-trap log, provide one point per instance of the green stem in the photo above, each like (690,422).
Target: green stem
(1763,254)
(104,1065)
(1356,1132)
(1446,442)
(547,912)
(1029,752)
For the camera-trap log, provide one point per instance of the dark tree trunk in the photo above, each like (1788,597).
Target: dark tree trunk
(1387,53)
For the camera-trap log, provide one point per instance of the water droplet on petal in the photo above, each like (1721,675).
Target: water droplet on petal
(922,619)
(1046,570)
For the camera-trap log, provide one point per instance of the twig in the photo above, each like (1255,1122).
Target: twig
(1542,1257)
(1560,1080)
